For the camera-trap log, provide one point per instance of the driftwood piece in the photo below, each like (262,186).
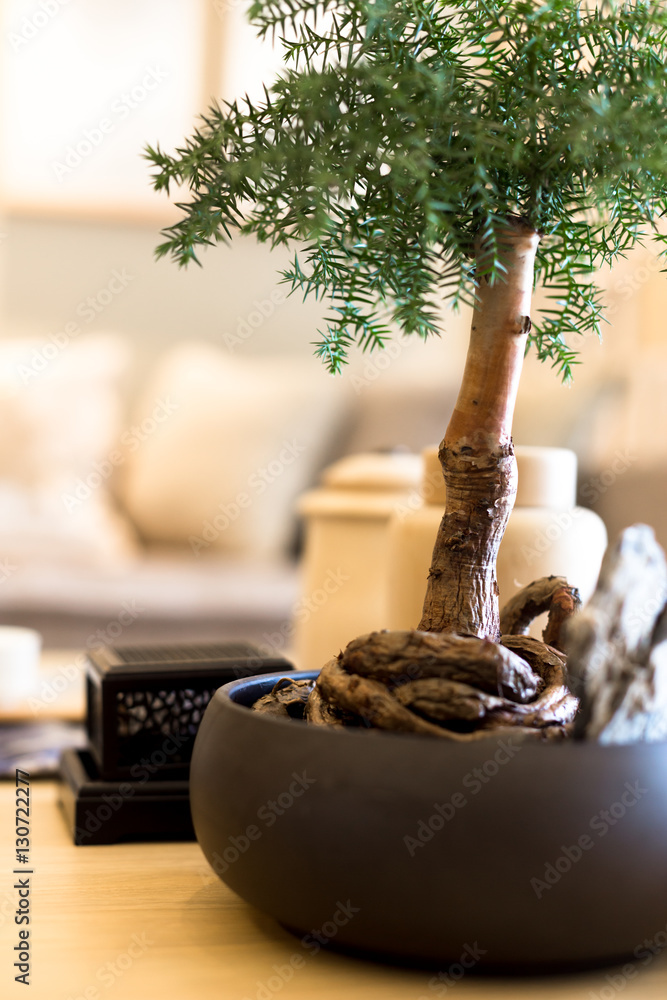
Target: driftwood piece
(286,700)
(401,656)
(642,714)
(616,644)
(549,593)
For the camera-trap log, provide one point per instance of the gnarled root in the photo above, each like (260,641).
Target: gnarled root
(555,703)
(448,686)
(549,593)
(454,687)
(287,699)
(400,656)
(445,701)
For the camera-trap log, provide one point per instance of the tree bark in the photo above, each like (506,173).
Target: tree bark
(477,455)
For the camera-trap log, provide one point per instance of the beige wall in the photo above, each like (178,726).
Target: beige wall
(50,267)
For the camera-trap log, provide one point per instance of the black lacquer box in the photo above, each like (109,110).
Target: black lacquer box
(144,706)
(145,703)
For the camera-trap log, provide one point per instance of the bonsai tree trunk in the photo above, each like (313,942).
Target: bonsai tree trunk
(476,454)
(455,684)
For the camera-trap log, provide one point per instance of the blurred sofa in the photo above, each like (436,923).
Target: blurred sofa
(172,516)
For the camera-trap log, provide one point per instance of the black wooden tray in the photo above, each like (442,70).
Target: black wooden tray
(108,812)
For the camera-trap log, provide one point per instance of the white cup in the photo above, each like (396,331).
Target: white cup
(19,663)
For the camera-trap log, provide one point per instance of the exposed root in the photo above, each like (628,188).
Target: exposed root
(444,701)
(549,593)
(370,700)
(453,687)
(378,707)
(555,703)
(565,602)
(287,699)
(320,713)
(401,656)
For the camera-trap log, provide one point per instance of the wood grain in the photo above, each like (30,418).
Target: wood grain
(90,902)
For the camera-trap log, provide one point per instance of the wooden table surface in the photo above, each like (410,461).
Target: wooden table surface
(149,921)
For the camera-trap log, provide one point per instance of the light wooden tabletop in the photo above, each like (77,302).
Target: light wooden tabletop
(149,921)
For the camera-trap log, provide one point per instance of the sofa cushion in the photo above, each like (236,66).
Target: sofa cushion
(221,447)
(59,420)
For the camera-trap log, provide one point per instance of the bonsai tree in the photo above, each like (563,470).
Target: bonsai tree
(419,151)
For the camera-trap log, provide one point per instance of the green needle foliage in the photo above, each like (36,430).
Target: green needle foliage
(401,130)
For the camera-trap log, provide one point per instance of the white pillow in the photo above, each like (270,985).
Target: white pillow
(59,420)
(223,445)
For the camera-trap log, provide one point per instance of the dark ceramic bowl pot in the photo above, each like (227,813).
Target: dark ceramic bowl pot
(541,855)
